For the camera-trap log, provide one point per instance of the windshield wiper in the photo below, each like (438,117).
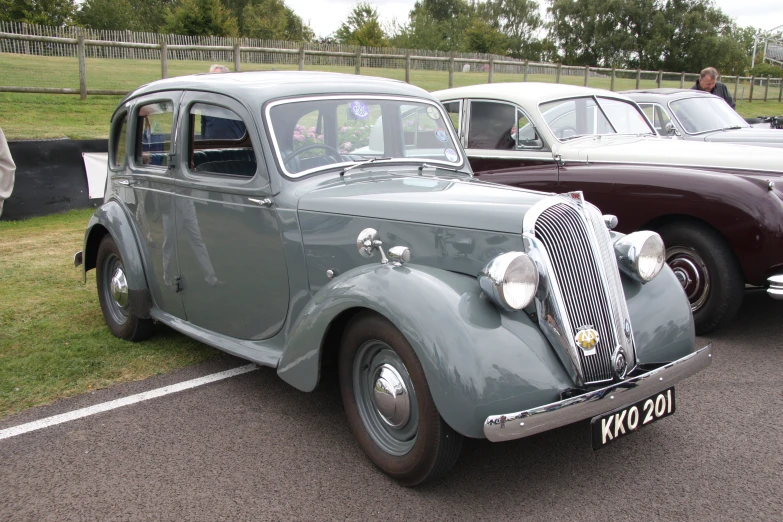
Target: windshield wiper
(429,166)
(574,136)
(357,165)
(733,127)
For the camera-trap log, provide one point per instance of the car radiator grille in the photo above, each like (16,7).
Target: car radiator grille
(586,286)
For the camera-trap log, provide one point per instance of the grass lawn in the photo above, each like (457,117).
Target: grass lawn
(39,116)
(53,340)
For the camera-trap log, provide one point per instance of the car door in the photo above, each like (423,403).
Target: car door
(232,265)
(503,146)
(149,194)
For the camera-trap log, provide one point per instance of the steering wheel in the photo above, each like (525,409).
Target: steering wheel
(297,152)
(561,133)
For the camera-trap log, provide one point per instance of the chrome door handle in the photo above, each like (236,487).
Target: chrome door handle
(126,182)
(266,202)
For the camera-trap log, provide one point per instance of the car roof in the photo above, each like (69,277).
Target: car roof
(261,86)
(524,93)
(664,94)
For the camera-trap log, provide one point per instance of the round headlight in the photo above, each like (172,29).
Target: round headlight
(641,255)
(510,280)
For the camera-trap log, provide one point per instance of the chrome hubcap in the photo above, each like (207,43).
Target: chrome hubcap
(119,288)
(390,396)
(692,273)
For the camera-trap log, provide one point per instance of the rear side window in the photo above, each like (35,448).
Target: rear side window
(153,134)
(492,126)
(120,137)
(219,142)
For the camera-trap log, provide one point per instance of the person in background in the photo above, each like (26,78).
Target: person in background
(7,170)
(214,128)
(708,81)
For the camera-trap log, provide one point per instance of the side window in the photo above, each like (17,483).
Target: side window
(527,137)
(649,111)
(492,126)
(153,133)
(453,109)
(120,141)
(219,142)
(661,120)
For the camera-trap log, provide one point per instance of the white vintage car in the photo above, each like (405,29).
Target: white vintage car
(718,206)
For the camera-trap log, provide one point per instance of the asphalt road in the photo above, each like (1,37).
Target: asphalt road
(251,447)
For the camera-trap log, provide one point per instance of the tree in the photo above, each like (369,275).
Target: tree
(41,12)
(518,21)
(200,18)
(481,37)
(112,15)
(362,27)
(272,20)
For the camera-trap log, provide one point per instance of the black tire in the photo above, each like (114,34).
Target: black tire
(119,318)
(422,449)
(711,276)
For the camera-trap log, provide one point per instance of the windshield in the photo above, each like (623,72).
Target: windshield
(705,114)
(315,134)
(586,116)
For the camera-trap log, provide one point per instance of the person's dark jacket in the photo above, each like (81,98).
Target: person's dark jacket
(720,90)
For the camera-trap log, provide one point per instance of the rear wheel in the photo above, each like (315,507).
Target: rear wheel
(389,406)
(114,294)
(708,272)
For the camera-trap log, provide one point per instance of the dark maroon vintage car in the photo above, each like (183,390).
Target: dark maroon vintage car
(718,207)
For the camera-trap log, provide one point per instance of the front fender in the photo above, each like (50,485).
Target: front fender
(111,218)
(478,360)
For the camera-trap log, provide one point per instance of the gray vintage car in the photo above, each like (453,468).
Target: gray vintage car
(320,223)
(695,115)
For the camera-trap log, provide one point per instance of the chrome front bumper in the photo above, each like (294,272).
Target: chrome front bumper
(775,290)
(511,426)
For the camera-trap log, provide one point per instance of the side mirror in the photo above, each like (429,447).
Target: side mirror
(671,130)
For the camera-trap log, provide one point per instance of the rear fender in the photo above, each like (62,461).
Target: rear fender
(112,219)
(478,360)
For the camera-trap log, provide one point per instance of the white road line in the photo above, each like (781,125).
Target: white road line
(125,401)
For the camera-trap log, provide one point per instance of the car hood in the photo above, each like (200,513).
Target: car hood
(460,203)
(750,136)
(656,151)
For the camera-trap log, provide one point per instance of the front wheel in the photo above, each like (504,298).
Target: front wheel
(389,406)
(709,274)
(114,294)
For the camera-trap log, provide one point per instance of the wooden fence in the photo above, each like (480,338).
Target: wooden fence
(83,43)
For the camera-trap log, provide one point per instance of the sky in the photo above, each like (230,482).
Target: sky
(325,16)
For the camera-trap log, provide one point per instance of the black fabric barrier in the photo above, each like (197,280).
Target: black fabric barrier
(50,177)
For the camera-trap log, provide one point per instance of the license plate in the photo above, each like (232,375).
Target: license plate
(611,426)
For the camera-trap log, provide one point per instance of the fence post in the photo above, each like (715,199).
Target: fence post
(128,38)
(164,60)
(557,73)
(527,68)
(736,87)
(82,66)
(638,77)
(750,95)
(660,79)
(358,61)
(766,89)
(451,70)
(491,66)
(780,89)
(302,57)
(236,57)
(407,67)
(682,81)
(587,74)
